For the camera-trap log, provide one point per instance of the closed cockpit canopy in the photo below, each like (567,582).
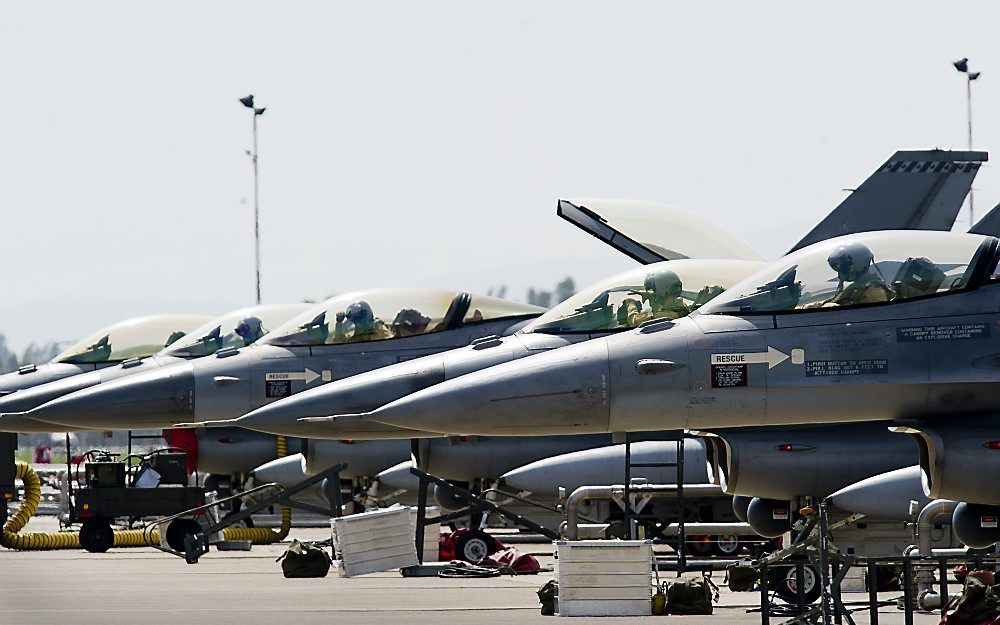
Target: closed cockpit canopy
(395,313)
(651,232)
(134,338)
(863,269)
(236,329)
(602,307)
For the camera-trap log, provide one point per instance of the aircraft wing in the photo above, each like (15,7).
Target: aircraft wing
(913,190)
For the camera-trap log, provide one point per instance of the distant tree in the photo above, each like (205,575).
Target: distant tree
(43,352)
(8,361)
(565,290)
(539,297)
(500,291)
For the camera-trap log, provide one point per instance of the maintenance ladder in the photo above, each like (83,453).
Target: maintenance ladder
(631,517)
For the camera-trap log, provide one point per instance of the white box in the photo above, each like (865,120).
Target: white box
(375,541)
(604,577)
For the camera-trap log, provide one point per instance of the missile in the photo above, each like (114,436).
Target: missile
(887,495)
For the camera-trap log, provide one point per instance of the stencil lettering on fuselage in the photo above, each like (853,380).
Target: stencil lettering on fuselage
(952,332)
(820,368)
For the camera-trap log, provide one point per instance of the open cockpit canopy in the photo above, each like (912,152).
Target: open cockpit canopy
(651,232)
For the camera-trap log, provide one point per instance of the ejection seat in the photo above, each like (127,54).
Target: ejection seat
(916,277)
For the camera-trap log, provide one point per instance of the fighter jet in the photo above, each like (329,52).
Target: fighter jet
(922,190)
(123,345)
(343,336)
(232,330)
(895,325)
(131,339)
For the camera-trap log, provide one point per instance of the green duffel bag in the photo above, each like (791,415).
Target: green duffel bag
(305,560)
(689,596)
(742,578)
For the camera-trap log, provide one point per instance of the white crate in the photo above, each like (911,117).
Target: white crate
(604,577)
(376,541)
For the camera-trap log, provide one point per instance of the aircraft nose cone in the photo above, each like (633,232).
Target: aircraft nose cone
(559,392)
(29,398)
(358,393)
(154,399)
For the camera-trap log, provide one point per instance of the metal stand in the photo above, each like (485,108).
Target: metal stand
(196,545)
(477,504)
(136,437)
(630,515)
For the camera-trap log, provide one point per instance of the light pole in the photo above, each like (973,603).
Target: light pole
(962,65)
(256,112)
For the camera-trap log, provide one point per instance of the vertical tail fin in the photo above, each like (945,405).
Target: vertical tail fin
(990,224)
(913,190)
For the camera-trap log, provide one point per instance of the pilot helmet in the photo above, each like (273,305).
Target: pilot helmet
(664,283)
(360,313)
(249,329)
(850,260)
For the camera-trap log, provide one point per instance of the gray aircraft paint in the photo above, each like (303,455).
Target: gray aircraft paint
(606,465)
(660,375)
(789,462)
(936,181)
(37,395)
(926,195)
(32,375)
(234,381)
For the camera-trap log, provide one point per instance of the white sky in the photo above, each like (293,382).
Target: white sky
(426,143)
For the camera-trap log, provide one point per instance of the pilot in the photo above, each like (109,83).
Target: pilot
(366,326)
(854,265)
(250,329)
(662,291)
(409,322)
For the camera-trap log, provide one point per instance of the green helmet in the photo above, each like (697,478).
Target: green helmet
(664,283)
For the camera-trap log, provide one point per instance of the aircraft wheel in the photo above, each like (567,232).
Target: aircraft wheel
(616,529)
(474,545)
(178,530)
(726,546)
(700,546)
(96,535)
(786,588)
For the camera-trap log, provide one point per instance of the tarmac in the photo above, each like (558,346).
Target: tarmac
(148,587)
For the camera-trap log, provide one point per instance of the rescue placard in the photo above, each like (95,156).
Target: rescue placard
(274,389)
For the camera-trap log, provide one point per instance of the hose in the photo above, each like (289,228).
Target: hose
(265,535)
(38,541)
(41,541)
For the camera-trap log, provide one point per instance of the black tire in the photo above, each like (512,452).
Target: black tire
(616,529)
(474,545)
(727,546)
(699,547)
(96,535)
(178,530)
(785,584)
